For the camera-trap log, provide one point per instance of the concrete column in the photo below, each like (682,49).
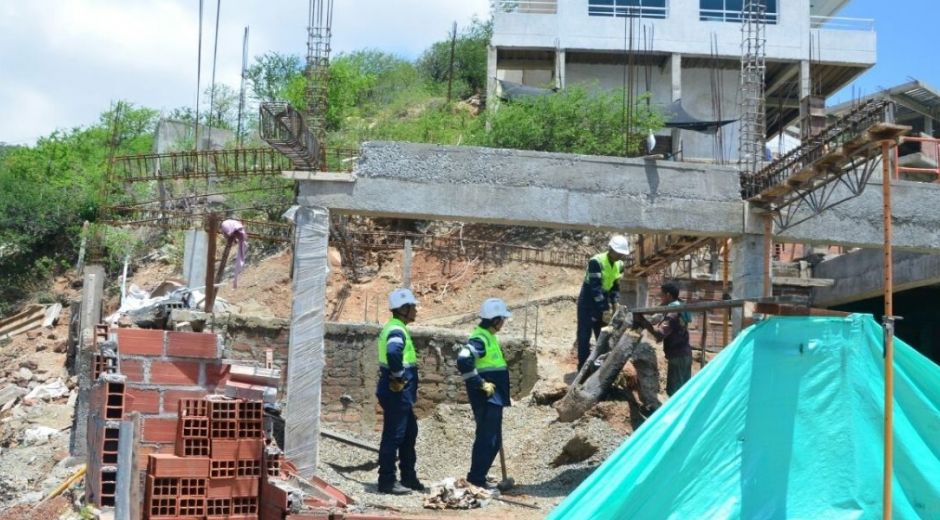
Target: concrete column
(561,64)
(747,271)
(194,257)
(928,126)
(305,358)
(675,73)
(406,265)
(490,77)
(806,82)
(634,292)
(92,290)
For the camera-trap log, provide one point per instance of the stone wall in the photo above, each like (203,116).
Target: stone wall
(351,373)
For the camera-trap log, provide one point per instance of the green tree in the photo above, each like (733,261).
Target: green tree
(470,53)
(271,73)
(573,121)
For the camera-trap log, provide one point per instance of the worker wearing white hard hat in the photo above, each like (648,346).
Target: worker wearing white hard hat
(397,391)
(484,370)
(600,293)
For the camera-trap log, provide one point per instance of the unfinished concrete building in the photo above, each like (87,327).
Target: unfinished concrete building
(688,50)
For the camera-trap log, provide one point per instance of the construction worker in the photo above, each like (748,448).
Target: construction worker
(600,293)
(485,373)
(673,331)
(397,391)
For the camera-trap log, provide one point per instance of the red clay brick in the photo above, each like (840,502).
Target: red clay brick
(140,342)
(171,398)
(154,429)
(141,400)
(174,373)
(145,451)
(215,373)
(224,449)
(160,465)
(233,487)
(133,370)
(273,495)
(250,449)
(192,344)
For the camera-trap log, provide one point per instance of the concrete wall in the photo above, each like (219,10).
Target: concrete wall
(681,32)
(349,380)
(859,275)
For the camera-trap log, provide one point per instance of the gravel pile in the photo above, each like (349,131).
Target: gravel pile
(547,459)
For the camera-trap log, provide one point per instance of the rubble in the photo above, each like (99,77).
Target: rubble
(452,493)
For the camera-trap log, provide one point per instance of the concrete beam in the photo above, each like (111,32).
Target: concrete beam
(472,184)
(859,275)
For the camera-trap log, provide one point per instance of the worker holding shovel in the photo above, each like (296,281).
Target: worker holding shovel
(484,370)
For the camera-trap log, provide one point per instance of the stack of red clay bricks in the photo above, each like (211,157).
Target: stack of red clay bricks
(217,469)
(163,367)
(106,408)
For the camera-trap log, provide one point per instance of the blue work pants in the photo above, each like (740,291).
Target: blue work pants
(399,433)
(487,440)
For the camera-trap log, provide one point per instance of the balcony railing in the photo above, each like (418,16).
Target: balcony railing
(525,6)
(839,23)
(725,15)
(608,8)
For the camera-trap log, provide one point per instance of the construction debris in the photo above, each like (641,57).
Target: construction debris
(452,493)
(30,318)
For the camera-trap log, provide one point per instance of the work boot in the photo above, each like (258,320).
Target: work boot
(394,489)
(414,484)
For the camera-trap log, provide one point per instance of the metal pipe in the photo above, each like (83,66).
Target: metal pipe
(726,318)
(889,334)
(768,264)
(213,230)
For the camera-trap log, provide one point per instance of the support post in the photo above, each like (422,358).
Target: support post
(768,260)
(726,315)
(490,78)
(212,228)
(92,290)
(675,73)
(125,471)
(888,334)
(406,265)
(305,358)
(194,257)
(560,68)
(747,272)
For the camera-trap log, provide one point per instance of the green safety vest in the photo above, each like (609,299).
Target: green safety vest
(409,356)
(492,359)
(610,272)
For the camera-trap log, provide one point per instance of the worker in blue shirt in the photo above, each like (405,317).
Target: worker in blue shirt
(600,293)
(484,371)
(397,391)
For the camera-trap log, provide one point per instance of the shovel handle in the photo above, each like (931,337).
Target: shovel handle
(502,458)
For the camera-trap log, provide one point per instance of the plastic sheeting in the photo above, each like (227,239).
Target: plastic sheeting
(785,423)
(305,358)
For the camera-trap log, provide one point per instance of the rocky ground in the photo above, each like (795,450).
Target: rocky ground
(546,458)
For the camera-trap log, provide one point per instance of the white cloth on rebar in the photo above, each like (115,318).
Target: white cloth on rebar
(233,230)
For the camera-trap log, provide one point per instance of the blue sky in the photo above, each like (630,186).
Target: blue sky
(907,42)
(62,62)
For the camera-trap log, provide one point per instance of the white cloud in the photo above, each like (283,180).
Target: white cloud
(71,58)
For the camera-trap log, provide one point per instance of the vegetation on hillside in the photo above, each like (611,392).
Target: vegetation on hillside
(49,189)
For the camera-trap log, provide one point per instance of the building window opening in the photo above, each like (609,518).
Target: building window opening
(730,10)
(625,8)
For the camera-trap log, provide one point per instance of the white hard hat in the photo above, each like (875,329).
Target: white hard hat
(400,297)
(494,308)
(620,244)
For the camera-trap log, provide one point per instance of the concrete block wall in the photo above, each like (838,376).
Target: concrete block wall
(351,374)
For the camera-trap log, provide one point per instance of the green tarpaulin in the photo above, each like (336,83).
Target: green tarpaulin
(785,423)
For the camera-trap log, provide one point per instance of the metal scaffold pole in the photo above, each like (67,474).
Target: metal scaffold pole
(888,333)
